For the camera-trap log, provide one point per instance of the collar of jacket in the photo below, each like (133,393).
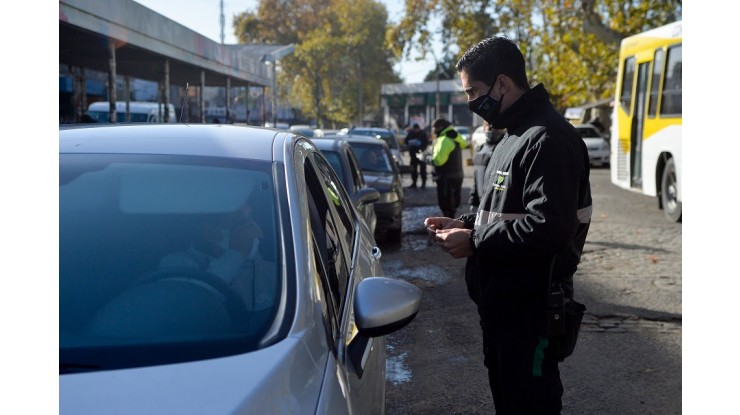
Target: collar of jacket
(457,139)
(520,111)
(445,130)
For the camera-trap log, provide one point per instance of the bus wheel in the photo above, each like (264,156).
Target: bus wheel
(669,193)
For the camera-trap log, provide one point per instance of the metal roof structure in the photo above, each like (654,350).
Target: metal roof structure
(454,85)
(144,40)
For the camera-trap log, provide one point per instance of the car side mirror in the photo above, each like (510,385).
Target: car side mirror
(384,305)
(366,196)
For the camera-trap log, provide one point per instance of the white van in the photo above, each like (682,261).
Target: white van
(140,111)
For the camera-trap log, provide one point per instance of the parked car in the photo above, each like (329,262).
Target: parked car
(598,146)
(304,130)
(322,132)
(342,158)
(139,111)
(478,137)
(161,311)
(391,139)
(381,173)
(279,126)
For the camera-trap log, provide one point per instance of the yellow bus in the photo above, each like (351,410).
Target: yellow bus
(646,127)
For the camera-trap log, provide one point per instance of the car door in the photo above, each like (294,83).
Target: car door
(356,366)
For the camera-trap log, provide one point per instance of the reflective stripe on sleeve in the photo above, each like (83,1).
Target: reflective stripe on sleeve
(584,215)
(484,217)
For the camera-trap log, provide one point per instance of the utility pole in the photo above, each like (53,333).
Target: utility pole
(436,108)
(274,94)
(223,22)
(359,93)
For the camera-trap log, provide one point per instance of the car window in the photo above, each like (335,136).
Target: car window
(332,228)
(587,132)
(373,158)
(390,140)
(327,279)
(148,244)
(335,161)
(355,170)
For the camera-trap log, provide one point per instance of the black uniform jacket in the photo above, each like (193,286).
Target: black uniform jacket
(534,213)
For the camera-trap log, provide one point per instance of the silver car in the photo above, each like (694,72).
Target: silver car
(214,269)
(599,150)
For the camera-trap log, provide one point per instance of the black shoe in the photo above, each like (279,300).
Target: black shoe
(413,186)
(423,186)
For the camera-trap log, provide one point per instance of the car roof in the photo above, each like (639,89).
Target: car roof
(329,143)
(217,140)
(370,128)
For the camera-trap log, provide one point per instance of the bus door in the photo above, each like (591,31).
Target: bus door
(638,125)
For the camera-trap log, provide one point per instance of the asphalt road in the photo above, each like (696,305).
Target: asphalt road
(628,357)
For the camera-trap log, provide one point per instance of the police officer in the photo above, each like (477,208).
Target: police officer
(447,161)
(529,230)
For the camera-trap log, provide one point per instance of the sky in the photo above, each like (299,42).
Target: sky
(204,17)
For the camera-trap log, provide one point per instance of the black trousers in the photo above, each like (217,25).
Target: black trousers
(448,194)
(418,169)
(524,378)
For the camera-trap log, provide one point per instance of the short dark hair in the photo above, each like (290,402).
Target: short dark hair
(440,124)
(492,57)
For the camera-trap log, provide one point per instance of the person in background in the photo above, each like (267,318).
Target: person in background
(448,165)
(480,162)
(524,243)
(417,142)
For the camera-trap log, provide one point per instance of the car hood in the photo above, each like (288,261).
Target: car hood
(381,181)
(282,378)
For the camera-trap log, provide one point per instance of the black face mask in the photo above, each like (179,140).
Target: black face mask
(494,136)
(485,106)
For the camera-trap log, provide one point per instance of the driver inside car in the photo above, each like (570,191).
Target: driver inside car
(227,248)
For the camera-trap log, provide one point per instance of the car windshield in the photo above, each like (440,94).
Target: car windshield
(373,158)
(163,258)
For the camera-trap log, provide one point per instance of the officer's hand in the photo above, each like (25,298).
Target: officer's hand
(455,242)
(442,222)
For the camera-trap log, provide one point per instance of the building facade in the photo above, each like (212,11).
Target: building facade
(407,104)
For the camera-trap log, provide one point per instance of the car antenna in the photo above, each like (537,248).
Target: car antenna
(182,108)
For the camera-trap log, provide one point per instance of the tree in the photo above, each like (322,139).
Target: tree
(339,61)
(446,69)
(570,45)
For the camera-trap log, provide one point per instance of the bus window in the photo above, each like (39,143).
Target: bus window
(672,90)
(629,74)
(655,83)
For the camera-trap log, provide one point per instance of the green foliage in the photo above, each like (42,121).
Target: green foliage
(570,46)
(340,60)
